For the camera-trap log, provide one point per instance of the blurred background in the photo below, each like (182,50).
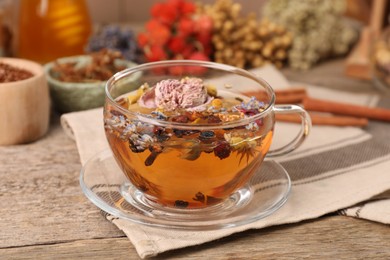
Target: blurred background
(124,11)
(297,33)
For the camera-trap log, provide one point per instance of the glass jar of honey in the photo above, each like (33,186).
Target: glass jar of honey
(49,29)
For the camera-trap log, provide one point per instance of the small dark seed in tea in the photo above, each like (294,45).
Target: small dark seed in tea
(199,197)
(181,204)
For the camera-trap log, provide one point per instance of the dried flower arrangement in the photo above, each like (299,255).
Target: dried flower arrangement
(176,31)
(244,41)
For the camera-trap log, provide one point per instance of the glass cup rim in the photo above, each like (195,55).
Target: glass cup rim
(213,65)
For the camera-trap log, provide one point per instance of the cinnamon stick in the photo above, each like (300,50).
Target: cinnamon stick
(312,104)
(291,91)
(293,98)
(320,119)
(283,96)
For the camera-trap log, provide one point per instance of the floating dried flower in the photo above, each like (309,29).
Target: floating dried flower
(139,143)
(245,147)
(248,150)
(171,94)
(252,104)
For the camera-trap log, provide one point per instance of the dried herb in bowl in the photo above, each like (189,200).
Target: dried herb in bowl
(77,82)
(100,68)
(10,73)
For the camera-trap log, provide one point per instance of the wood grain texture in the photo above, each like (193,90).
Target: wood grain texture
(331,237)
(44,214)
(40,197)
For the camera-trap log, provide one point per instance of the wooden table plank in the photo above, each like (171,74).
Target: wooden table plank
(40,197)
(331,237)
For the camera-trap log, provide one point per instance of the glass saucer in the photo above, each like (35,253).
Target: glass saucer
(103,182)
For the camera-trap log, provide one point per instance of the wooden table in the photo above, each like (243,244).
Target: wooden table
(44,214)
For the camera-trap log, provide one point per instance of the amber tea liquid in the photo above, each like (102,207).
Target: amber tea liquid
(184,170)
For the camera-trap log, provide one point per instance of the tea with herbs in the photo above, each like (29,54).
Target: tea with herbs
(186,145)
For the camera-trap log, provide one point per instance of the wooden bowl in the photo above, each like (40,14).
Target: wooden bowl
(24,105)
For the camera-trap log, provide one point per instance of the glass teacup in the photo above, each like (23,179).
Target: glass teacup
(194,132)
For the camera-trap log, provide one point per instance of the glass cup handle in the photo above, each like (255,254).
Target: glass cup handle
(303,133)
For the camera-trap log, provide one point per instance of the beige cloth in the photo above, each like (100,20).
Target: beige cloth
(336,168)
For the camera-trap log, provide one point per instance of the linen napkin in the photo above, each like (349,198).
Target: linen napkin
(336,168)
